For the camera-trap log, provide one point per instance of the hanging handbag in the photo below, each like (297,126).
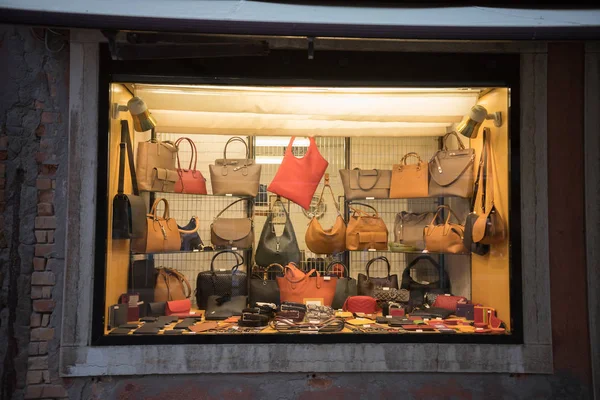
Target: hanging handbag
(409,181)
(171,285)
(190,238)
(236,176)
(190,180)
(277,249)
(232,232)
(366,231)
(360,304)
(365,183)
(367,284)
(345,286)
(223,307)
(444,238)
(222,281)
(129,210)
(408,228)
(162,233)
(263,289)
(417,289)
(451,171)
(303,289)
(155,164)
(297,178)
(326,241)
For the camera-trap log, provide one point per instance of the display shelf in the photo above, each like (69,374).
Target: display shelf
(142,256)
(203,195)
(406,198)
(418,252)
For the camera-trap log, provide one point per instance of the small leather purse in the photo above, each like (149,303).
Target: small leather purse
(232,232)
(446,238)
(366,231)
(449,302)
(391,294)
(326,241)
(179,308)
(409,181)
(361,304)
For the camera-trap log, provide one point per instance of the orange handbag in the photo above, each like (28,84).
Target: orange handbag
(366,231)
(409,180)
(190,180)
(307,288)
(446,237)
(162,233)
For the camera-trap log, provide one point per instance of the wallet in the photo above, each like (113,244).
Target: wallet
(418,327)
(166,320)
(148,319)
(382,320)
(129,326)
(465,311)
(117,315)
(186,323)
(179,308)
(120,331)
(156,309)
(147,329)
(203,327)
(395,321)
(173,332)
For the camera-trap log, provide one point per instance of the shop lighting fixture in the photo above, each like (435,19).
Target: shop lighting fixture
(470,125)
(142,118)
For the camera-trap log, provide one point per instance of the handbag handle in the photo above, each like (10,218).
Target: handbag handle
(327,185)
(274,265)
(236,139)
(193,159)
(374,183)
(226,208)
(429,228)
(270,217)
(164,271)
(361,212)
(406,278)
(461,146)
(238,259)
(196,224)
(290,144)
(155,206)
(380,258)
(411,154)
(288,269)
(481,176)
(331,264)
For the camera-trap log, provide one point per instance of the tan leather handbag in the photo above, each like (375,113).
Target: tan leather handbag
(232,232)
(171,285)
(155,166)
(326,241)
(451,171)
(409,180)
(238,176)
(162,232)
(444,238)
(304,288)
(366,231)
(363,183)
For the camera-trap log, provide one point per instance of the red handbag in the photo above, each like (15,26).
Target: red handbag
(305,288)
(297,178)
(449,302)
(190,180)
(361,304)
(179,308)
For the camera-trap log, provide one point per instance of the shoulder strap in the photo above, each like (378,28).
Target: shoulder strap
(488,177)
(126,141)
(326,185)
(478,178)
(381,258)
(226,208)
(239,260)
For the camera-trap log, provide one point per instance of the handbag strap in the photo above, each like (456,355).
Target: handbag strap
(238,259)
(226,208)
(461,146)
(481,176)
(193,159)
(126,147)
(361,212)
(411,154)
(488,177)
(196,226)
(327,185)
(429,228)
(270,216)
(377,174)
(331,264)
(165,272)
(380,258)
(406,278)
(235,139)
(155,207)
(274,265)
(311,144)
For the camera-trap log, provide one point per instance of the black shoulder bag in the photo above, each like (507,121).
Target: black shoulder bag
(418,289)
(273,249)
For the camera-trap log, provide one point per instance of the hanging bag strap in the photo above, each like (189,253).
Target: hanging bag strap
(226,208)
(331,264)
(238,259)
(170,271)
(327,185)
(377,174)
(270,216)
(193,159)
(381,258)
(235,139)
(362,213)
(488,177)
(126,147)
(461,146)
(480,176)
(154,209)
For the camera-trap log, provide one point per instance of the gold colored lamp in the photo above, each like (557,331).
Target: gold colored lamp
(470,125)
(142,118)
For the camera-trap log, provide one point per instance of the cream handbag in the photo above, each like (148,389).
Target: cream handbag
(155,166)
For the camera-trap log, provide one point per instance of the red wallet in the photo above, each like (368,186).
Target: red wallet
(361,304)
(449,302)
(179,308)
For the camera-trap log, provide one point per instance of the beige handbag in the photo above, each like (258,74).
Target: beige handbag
(364,183)
(232,232)
(366,231)
(239,177)
(409,180)
(162,232)
(155,166)
(171,285)
(326,241)
(451,171)
(444,238)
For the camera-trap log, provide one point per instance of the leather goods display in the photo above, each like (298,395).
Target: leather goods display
(318,313)
(418,289)
(223,307)
(190,238)
(391,294)
(286,325)
(326,241)
(155,163)
(165,320)
(204,326)
(162,233)
(449,302)
(250,319)
(130,300)
(236,176)
(360,304)
(465,310)
(451,171)
(147,329)
(129,210)
(392,309)
(142,279)
(156,309)
(364,183)
(297,178)
(345,287)
(117,315)
(232,232)
(367,283)
(408,227)
(366,231)
(277,249)
(444,238)
(190,180)
(307,288)
(221,282)
(179,308)
(409,180)
(120,331)
(171,285)
(263,289)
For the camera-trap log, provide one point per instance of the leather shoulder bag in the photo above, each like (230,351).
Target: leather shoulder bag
(190,180)
(366,231)
(326,241)
(363,183)
(367,283)
(220,282)
(451,171)
(232,232)
(408,228)
(156,166)
(418,289)
(409,180)
(444,238)
(263,289)
(237,176)
(307,288)
(277,249)
(345,287)
(162,232)
(171,285)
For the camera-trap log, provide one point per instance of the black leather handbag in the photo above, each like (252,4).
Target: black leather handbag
(223,307)
(141,279)
(273,249)
(418,289)
(367,284)
(344,288)
(263,289)
(230,282)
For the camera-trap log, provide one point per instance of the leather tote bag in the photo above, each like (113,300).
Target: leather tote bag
(446,237)
(156,166)
(409,180)
(451,171)
(297,178)
(408,228)
(223,307)
(129,210)
(232,232)
(363,183)
(418,289)
(236,176)
(345,287)
(220,282)
(366,231)
(306,288)
(263,289)
(366,283)
(277,249)
(162,233)
(326,241)
(190,180)
(171,285)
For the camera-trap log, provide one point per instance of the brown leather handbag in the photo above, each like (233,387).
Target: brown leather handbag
(155,165)
(366,231)
(409,180)
(363,183)
(444,238)
(239,176)
(451,171)
(171,285)
(306,288)
(232,232)
(326,241)
(162,233)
